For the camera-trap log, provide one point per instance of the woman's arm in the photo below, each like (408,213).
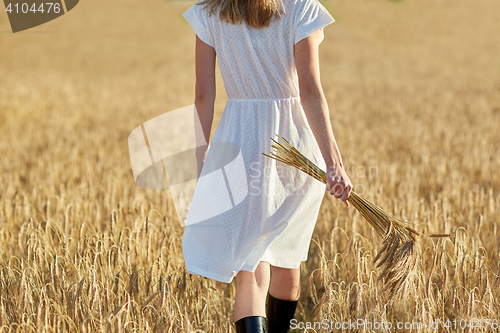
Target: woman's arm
(204,93)
(316,109)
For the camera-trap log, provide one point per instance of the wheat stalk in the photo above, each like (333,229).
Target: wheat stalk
(396,258)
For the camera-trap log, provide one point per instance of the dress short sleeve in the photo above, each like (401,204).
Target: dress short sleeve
(312,16)
(198,21)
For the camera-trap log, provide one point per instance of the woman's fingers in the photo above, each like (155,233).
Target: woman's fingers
(345,194)
(337,190)
(339,186)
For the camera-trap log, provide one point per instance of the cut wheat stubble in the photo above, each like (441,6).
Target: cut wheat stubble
(397,258)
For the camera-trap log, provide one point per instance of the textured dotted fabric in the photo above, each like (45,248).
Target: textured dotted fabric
(275,221)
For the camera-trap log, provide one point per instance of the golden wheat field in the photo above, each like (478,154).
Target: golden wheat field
(414,94)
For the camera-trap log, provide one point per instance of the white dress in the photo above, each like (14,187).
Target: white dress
(274,220)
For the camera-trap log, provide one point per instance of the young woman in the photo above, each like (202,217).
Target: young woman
(268,58)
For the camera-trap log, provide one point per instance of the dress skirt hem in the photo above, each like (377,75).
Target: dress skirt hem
(225,279)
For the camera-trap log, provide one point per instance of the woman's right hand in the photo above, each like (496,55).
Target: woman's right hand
(338,183)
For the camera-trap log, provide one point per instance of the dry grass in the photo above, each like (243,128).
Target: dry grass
(414,94)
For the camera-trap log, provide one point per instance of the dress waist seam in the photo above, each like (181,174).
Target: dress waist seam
(263,99)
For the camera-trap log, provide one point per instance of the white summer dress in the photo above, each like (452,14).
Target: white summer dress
(275,220)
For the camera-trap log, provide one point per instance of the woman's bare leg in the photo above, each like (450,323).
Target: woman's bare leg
(251,292)
(285,283)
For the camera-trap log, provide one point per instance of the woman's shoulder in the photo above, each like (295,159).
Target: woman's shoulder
(304,4)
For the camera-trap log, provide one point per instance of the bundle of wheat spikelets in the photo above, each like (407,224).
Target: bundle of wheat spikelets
(396,258)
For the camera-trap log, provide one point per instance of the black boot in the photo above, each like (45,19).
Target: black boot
(252,324)
(279,313)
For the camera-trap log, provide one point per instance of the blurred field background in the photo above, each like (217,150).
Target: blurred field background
(414,95)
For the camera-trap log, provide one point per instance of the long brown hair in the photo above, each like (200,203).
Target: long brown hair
(256,13)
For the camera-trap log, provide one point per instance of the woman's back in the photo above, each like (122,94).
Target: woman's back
(259,63)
